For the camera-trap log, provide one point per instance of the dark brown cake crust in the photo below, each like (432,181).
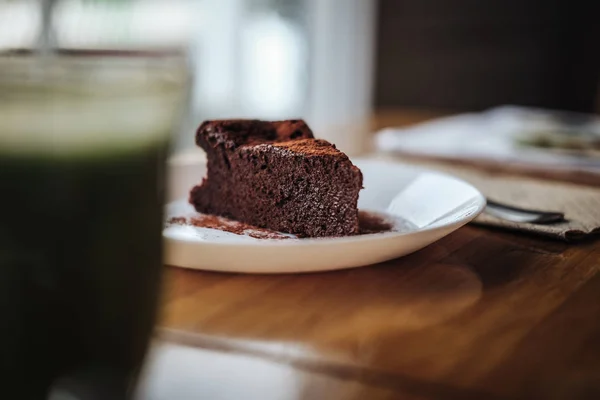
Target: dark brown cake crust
(275,175)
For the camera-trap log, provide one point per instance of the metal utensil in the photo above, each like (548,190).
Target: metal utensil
(516,214)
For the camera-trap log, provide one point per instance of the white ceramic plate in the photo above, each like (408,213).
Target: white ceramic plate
(426,206)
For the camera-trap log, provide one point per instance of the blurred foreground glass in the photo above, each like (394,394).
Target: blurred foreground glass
(83,141)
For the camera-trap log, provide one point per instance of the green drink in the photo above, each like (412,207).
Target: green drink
(82,147)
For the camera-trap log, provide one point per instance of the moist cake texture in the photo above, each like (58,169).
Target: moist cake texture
(276,175)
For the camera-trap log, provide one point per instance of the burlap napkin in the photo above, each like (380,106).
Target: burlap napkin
(581,204)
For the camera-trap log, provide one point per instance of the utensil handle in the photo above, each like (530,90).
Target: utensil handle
(516,214)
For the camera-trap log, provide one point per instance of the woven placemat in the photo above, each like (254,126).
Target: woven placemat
(580,204)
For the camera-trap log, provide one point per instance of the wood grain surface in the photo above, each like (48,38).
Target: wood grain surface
(480,314)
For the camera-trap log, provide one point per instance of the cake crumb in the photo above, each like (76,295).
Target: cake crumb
(369,222)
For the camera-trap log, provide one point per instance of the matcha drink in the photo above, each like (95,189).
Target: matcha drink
(82,147)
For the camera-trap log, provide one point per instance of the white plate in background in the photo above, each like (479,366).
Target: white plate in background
(428,205)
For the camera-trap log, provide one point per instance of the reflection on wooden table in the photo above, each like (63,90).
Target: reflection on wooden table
(479,314)
(188,373)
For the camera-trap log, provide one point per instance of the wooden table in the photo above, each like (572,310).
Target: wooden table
(480,314)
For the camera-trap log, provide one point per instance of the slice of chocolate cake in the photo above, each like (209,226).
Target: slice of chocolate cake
(275,175)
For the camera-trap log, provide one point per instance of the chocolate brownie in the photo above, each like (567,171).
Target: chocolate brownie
(276,175)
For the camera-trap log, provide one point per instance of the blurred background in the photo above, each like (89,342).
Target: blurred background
(337,62)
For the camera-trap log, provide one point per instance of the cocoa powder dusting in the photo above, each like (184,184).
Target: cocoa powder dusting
(227,225)
(310,147)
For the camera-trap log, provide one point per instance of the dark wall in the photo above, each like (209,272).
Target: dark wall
(473,54)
